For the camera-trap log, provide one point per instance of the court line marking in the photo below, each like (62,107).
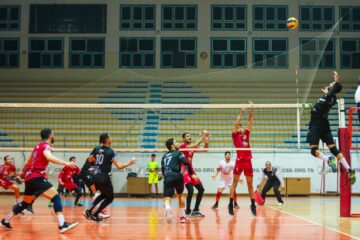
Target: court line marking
(315,223)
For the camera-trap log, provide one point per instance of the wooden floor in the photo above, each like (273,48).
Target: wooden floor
(300,218)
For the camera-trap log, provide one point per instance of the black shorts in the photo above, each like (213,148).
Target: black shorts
(36,186)
(174,185)
(103,183)
(88,179)
(319,129)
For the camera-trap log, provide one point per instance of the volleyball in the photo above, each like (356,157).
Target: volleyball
(292,23)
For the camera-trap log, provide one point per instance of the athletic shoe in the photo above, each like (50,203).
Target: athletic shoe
(236,206)
(182,219)
(188,213)
(332,162)
(5,225)
(352,176)
(104,216)
(87,213)
(231,210)
(253,209)
(95,218)
(193,214)
(215,206)
(51,204)
(168,215)
(67,226)
(280,204)
(78,204)
(197,214)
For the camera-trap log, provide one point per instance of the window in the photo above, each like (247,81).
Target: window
(270,53)
(179,17)
(137,52)
(228,17)
(46,53)
(137,17)
(87,53)
(350,53)
(350,19)
(316,18)
(9,18)
(317,53)
(68,18)
(178,52)
(228,53)
(9,52)
(270,18)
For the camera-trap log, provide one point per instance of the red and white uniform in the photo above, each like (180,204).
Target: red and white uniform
(226,170)
(66,177)
(243,160)
(37,167)
(186,175)
(5,171)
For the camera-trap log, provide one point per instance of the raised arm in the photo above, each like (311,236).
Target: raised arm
(238,120)
(53,159)
(120,165)
(251,116)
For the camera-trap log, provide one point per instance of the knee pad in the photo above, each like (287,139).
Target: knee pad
(334,151)
(18,208)
(313,151)
(57,203)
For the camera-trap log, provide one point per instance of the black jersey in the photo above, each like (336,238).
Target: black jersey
(86,167)
(171,165)
(103,159)
(325,103)
(271,175)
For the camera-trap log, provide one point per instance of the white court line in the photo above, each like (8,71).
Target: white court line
(315,223)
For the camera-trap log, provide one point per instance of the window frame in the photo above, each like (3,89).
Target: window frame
(9,21)
(132,21)
(223,21)
(179,39)
(350,22)
(357,40)
(311,21)
(173,21)
(276,21)
(228,51)
(8,53)
(312,53)
(86,52)
(264,52)
(138,51)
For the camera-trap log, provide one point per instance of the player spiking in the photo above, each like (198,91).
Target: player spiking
(36,183)
(241,139)
(190,182)
(103,157)
(319,128)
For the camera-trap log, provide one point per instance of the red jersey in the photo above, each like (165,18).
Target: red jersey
(186,175)
(188,154)
(67,173)
(6,170)
(37,166)
(242,141)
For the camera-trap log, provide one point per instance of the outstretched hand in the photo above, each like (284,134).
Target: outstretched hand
(336,76)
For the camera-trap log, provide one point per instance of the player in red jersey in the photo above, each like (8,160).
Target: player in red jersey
(36,183)
(66,180)
(8,170)
(241,139)
(190,182)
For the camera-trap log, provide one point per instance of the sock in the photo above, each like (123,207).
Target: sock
(182,212)
(218,195)
(167,207)
(61,219)
(235,198)
(323,157)
(252,202)
(345,164)
(9,217)
(231,202)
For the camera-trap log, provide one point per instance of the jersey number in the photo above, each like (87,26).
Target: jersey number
(167,160)
(99,159)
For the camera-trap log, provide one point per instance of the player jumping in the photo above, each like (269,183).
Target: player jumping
(241,139)
(319,128)
(190,182)
(36,183)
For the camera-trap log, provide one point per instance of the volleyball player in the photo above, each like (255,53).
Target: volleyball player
(8,170)
(171,168)
(226,168)
(36,183)
(190,183)
(241,139)
(103,157)
(319,128)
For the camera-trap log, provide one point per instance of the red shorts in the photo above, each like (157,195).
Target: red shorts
(69,185)
(188,179)
(246,166)
(4,183)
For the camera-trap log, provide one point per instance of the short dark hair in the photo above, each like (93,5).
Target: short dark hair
(45,133)
(153,155)
(227,152)
(103,137)
(6,157)
(267,162)
(72,158)
(169,143)
(184,134)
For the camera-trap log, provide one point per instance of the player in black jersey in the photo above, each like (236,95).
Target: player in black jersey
(103,157)
(173,178)
(319,128)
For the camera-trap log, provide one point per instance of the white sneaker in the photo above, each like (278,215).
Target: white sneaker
(104,216)
(168,215)
(280,204)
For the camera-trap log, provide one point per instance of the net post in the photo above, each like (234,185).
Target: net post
(345,186)
(298,128)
